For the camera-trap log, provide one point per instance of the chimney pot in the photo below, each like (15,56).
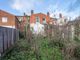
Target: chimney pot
(24,14)
(32,12)
(48,14)
(60,15)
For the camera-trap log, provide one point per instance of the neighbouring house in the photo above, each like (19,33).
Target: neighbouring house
(58,25)
(71,29)
(61,20)
(77,27)
(53,21)
(38,20)
(23,21)
(74,28)
(8,20)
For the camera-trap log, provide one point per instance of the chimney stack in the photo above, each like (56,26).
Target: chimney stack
(32,12)
(48,14)
(60,15)
(24,14)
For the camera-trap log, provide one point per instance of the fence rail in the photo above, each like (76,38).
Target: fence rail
(8,37)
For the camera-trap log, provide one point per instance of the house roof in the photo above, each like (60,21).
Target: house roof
(54,18)
(23,16)
(39,13)
(6,12)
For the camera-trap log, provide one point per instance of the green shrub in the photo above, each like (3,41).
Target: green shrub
(50,53)
(21,35)
(77,39)
(77,52)
(56,44)
(44,52)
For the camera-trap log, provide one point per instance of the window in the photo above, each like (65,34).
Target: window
(4,19)
(20,19)
(44,21)
(37,19)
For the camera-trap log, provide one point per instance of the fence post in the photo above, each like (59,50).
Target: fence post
(12,37)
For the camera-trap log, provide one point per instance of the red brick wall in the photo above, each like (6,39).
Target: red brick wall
(11,19)
(23,23)
(41,16)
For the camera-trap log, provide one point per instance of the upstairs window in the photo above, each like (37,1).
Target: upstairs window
(20,19)
(37,19)
(44,20)
(4,19)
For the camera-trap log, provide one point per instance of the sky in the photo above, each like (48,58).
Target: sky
(69,8)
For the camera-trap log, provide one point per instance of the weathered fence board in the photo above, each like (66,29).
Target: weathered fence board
(5,38)
(8,37)
(1,41)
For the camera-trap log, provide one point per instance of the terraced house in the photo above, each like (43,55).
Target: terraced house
(8,19)
(39,20)
(39,17)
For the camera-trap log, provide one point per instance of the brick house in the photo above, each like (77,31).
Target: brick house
(8,20)
(23,21)
(39,17)
(53,21)
(62,20)
(40,20)
(73,28)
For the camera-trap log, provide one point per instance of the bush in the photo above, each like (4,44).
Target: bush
(21,34)
(77,52)
(50,53)
(56,44)
(42,51)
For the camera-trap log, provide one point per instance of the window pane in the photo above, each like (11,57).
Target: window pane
(37,19)
(44,20)
(4,19)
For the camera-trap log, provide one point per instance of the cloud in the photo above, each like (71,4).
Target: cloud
(74,5)
(70,8)
(66,10)
(24,5)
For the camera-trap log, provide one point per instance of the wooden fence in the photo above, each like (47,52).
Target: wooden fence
(8,37)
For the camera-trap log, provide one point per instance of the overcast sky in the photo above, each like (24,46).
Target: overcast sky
(70,8)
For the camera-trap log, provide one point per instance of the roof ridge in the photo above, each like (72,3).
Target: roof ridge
(7,12)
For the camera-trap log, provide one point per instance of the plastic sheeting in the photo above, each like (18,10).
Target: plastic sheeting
(37,28)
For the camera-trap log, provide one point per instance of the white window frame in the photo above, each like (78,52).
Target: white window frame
(4,19)
(37,19)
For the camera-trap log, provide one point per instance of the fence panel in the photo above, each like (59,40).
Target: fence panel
(8,37)
(5,38)
(1,41)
